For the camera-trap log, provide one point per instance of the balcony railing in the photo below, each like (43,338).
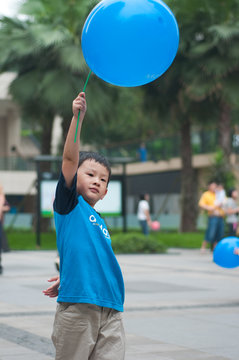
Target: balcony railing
(16,164)
(162,148)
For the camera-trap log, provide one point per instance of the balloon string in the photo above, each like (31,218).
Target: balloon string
(78,119)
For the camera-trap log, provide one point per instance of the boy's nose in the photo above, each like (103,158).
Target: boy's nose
(97,181)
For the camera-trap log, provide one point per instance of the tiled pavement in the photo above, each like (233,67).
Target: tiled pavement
(179,306)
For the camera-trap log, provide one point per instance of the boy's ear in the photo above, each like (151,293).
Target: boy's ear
(106,190)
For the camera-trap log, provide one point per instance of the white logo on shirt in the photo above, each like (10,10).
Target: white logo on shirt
(92,219)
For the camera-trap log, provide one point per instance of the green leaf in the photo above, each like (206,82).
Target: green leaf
(70,56)
(46,35)
(225,32)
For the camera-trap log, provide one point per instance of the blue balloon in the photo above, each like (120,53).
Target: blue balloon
(223,254)
(131,42)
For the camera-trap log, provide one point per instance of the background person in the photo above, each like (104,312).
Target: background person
(232,209)
(142,152)
(220,195)
(215,227)
(143,213)
(3,208)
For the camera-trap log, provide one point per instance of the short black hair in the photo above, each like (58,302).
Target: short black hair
(90,155)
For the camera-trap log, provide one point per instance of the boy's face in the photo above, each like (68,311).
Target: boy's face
(92,181)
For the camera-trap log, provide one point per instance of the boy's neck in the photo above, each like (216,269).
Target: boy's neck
(92,205)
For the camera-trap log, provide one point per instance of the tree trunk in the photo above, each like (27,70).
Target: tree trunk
(65,127)
(189,207)
(225,131)
(46,150)
(46,142)
(46,136)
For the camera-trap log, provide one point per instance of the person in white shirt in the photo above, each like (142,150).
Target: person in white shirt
(143,213)
(232,209)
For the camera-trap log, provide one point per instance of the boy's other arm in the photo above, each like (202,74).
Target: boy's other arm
(52,291)
(71,149)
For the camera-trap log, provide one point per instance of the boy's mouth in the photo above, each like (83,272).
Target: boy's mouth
(94,190)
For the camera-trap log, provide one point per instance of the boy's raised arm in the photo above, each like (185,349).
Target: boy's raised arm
(71,149)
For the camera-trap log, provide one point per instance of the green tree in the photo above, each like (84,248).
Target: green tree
(46,54)
(220,172)
(216,74)
(47,77)
(200,85)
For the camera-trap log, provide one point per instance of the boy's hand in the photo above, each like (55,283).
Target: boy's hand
(52,291)
(79,104)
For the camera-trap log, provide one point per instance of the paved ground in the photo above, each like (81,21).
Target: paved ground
(179,306)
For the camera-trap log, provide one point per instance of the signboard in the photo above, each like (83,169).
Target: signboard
(48,189)
(111,205)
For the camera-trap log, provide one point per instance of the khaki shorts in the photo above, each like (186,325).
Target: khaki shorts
(88,332)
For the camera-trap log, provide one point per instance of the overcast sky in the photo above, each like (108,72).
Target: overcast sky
(9,7)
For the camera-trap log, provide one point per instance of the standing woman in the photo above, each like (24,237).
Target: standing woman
(143,213)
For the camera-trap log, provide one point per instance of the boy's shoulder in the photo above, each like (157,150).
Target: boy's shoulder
(66,198)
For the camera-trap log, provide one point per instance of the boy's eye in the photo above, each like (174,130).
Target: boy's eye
(90,174)
(103,180)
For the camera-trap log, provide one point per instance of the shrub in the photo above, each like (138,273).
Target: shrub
(136,243)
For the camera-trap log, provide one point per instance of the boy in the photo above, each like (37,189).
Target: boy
(88,323)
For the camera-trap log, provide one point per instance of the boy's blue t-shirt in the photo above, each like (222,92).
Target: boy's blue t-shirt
(89,271)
